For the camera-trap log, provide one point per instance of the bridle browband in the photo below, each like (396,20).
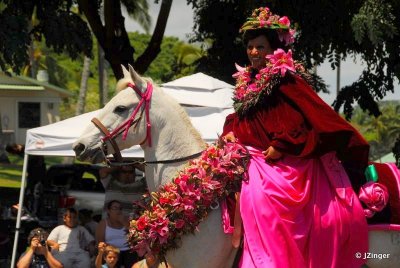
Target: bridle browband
(110,136)
(124,128)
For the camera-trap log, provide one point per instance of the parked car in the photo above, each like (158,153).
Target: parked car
(78,185)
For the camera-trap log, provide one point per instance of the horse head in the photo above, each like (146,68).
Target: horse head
(121,122)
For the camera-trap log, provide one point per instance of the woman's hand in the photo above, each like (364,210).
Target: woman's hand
(272,154)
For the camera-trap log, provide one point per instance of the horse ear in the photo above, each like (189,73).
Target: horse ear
(125,72)
(135,77)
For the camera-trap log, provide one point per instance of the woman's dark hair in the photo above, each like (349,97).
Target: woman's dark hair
(271,35)
(111,202)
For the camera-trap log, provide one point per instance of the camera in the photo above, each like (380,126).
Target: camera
(43,242)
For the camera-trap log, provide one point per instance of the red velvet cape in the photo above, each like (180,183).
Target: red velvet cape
(296,121)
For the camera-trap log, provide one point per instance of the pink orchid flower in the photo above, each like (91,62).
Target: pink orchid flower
(286,36)
(240,70)
(281,61)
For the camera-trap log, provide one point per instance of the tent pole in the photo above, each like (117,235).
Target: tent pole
(20,207)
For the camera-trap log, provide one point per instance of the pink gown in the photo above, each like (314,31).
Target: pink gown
(301,210)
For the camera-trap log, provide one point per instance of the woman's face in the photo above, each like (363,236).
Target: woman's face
(115,209)
(257,49)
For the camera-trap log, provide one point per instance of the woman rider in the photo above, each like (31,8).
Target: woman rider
(298,207)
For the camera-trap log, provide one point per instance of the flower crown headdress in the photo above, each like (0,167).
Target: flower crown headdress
(263,18)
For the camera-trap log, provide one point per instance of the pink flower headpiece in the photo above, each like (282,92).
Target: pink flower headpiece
(262,17)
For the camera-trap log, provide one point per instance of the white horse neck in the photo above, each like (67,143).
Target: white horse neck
(173,136)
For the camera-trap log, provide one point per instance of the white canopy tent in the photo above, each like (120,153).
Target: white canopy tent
(57,139)
(212,103)
(200,90)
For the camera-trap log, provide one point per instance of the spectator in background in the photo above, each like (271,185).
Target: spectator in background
(109,253)
(72,241)
(36,172)
(86,220)
(113,230)
(120,184)
(38,254)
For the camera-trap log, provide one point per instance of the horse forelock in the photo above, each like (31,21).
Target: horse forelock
(122,84)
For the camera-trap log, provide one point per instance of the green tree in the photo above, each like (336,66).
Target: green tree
(63,30)
(381,131)
(325,29)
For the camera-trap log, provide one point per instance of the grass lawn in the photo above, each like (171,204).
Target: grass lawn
(10,174)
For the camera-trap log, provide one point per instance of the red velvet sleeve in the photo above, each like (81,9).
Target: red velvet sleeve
(279,124)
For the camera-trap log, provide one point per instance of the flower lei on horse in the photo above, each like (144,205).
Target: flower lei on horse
(178,207)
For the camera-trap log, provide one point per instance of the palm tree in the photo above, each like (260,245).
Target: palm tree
(385,128)
(188,55)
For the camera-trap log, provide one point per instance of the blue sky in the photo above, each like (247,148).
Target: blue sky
(180,24)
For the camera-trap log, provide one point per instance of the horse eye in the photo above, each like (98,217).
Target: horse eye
(120,109)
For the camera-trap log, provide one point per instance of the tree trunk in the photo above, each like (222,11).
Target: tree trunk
(105,86)
(80,106)
(154,47)
(33,62)
(114,39)
(103,81)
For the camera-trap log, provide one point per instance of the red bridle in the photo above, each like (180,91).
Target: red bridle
(110,136)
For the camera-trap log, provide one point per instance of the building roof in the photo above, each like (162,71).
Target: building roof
(18,82)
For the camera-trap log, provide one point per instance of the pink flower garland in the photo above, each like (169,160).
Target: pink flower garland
(179,206)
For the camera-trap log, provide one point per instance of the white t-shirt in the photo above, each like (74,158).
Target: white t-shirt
(71,239)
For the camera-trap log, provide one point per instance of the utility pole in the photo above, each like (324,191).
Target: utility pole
(338,75)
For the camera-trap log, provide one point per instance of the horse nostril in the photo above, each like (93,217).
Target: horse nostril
(79,148)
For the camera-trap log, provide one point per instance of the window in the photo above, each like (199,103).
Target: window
(28,114)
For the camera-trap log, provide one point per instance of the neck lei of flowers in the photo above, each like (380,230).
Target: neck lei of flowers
(178,207)
(250,91)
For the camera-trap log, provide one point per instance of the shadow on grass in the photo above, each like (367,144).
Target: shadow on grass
(10,175)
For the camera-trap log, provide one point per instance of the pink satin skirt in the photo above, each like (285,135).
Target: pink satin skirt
(301,213)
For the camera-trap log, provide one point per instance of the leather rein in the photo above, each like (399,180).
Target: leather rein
(110,135)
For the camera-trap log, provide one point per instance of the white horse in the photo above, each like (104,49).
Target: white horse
(172,136)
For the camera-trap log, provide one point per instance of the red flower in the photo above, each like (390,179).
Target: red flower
(164,200)
(179,223)
(141,223)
